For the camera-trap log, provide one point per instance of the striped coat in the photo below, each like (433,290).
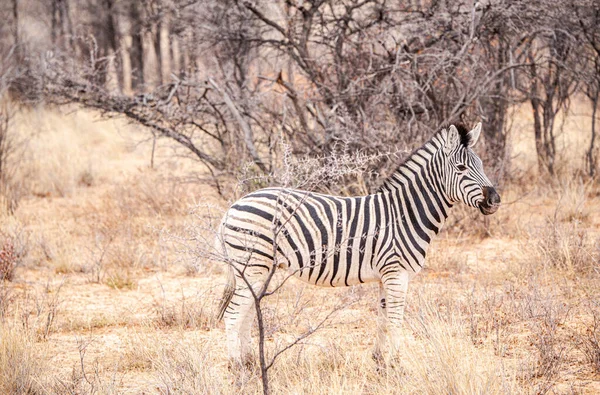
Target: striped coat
(340,241)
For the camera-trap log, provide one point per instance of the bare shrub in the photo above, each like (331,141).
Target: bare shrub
(590,339)
(546,315)
(550,352)
(490,317)
(340,172)
(37,312)
(8,260)
(86,378)
(14,247)
(96,266)
(268,72)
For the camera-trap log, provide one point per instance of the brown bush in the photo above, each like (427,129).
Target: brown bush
(8,260)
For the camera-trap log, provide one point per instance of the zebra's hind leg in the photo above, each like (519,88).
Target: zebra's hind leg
(239,317)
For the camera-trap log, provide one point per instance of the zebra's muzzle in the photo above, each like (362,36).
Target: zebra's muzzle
(491,201)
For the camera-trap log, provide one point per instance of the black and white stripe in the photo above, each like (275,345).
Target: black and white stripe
(341,241)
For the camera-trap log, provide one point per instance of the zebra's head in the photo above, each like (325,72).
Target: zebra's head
(465,180)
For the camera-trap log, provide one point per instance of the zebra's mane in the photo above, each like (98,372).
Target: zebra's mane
(463,132)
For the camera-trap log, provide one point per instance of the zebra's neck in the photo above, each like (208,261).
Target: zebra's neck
(417,185)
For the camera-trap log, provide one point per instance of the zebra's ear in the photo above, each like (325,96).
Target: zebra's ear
(474,135)
(452,140)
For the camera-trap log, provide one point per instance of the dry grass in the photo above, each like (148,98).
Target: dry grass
(590,339)
(22,362)
(105,303)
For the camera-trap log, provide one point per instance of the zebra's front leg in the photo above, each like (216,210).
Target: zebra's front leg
(395,286)
(380,346)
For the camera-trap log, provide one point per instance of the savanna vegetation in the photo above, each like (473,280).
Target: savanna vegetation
(127,127)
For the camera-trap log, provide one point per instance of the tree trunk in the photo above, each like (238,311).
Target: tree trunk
(54,30)
(495,104)
(537,124)
(15,11)
(186,63)
(150,60)
(126,64)
(114,78)
(591,156)
(136,52)
(176,56)
(548,126)
(164,50)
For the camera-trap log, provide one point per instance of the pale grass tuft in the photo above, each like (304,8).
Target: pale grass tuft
(22,362)
(444,359)
(185,364)
(196,312)
(572,195)
(567,247)
(123,281)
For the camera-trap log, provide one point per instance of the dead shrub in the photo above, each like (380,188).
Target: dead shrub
(590,340)
(14,247)
(37,312)
(490,315)
(85,377)
(551,348)
(8,260)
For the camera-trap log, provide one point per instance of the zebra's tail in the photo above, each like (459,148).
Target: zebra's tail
(227,293)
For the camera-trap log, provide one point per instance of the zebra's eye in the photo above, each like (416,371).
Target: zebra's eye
(461,167)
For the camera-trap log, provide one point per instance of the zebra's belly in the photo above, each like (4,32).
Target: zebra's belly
(334,272)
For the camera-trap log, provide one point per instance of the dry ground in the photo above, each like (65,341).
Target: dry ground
(108,299)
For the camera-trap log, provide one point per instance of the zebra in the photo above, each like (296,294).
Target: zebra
(341,241)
